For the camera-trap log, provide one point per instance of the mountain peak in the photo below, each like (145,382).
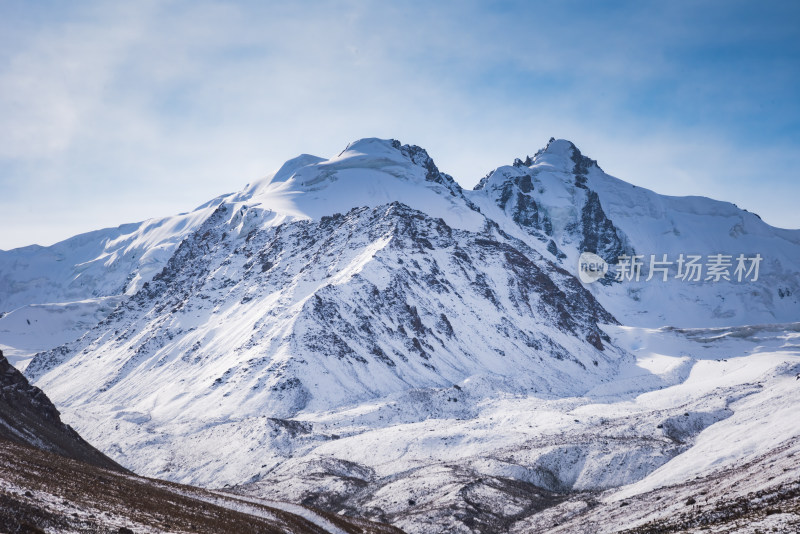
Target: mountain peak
(558,155)
(558,146)
(368,172)
(396,151)
(562,155)
(371,146)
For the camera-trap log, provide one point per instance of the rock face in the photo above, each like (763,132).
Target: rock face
(531,203)
(598,233)
(564,202)
(27,416)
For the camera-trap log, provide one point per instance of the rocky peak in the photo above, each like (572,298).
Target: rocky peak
(558,155)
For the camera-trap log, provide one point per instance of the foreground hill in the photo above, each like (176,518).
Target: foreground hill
(28,417)
(45,492)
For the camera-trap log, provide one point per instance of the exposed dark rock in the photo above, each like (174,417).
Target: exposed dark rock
(27,416)
(598,233)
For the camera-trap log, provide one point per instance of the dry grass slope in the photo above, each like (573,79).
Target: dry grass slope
(45,492)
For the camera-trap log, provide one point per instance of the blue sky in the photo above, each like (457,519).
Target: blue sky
(116,112)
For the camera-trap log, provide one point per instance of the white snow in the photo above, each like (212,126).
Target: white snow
(197,401)
(370,173)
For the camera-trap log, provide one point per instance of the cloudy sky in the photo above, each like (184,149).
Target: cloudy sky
(113,112)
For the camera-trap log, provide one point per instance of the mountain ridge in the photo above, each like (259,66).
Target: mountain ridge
(71,271)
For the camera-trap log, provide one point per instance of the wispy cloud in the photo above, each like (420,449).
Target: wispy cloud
(117,112)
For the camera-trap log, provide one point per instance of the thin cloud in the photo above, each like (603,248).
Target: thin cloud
(120,112)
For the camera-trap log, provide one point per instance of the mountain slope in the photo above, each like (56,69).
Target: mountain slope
(318,316)
(52,295)
(760,495)
(52,479)
(27,416)
(706,410)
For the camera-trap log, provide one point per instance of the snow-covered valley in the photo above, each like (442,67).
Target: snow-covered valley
(692,403)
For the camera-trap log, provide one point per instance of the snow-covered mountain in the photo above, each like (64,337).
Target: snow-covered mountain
(349,331)
(322,314)
(265,310)
(558,202)
(52,295)
(565,200)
